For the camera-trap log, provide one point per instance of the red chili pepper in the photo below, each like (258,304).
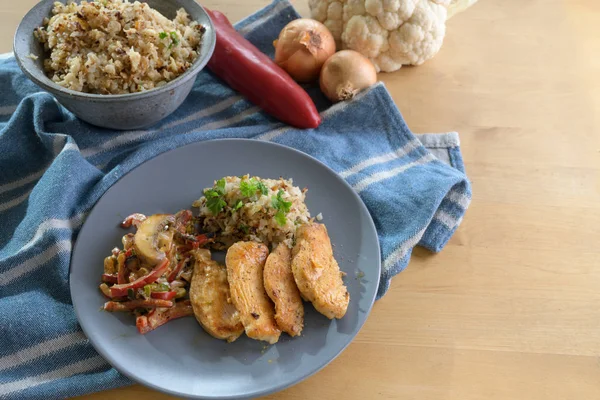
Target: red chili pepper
(154,319)
(173,275)
(163,295)
(121,290)
(252,73)
(110,278)
(133,304)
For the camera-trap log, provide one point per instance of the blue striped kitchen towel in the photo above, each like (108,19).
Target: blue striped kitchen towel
(53,168)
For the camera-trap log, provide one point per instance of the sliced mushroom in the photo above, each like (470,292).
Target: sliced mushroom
(154,238)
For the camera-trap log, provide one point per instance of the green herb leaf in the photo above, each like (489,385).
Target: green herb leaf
(162,35)
(282,207)
(279,203)
(244,228)
(148,290)
(248,187)
(174,39)
(163,287)
(280,217)
(214,197)
(238,205)
(263,189)
(220,186)
(215,204)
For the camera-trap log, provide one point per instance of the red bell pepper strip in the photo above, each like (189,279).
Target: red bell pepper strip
(252,73)
(173,275)
(109,278)
(121,289)
(181,220)
(133,304)
(134,219)
(156,318)
(163,295)
(106,292)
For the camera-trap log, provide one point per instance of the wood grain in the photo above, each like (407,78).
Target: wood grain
(511,308)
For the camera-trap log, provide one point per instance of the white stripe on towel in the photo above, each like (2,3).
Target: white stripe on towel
(23,181)
(31,264)
(36,175)
(42,349)
(78,367)
(459,198)
(135,135)
(334,109)
(7,110)
(220,106)
(227,122)
(447,219)
(380,176)
(58,143)
(398,153)
(16,201)
(4,56)
(401,251)
(272,134)
(71,223)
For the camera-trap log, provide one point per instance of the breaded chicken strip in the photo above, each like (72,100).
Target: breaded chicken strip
(211,298)
(245,262)
(281,288)
(316,272)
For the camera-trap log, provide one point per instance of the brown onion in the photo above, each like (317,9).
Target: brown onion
(346,73)
(302,48)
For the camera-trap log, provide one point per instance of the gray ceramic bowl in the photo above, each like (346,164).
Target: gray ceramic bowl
(123,111)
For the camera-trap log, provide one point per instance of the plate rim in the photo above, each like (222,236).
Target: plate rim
(262,392)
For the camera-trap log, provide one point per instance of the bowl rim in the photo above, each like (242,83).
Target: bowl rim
(53,87)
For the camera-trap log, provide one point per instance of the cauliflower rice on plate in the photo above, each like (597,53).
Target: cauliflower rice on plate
(253,209)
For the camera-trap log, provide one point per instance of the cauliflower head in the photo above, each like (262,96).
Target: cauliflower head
(390,33)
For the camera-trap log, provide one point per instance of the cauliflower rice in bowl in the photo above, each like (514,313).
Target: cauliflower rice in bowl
(117,47)
(252,209)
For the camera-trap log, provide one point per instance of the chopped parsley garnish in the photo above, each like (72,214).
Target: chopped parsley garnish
(163,287)
(174,39)
(280,218)
(220,186)
(238,205)
(163,35)
(282,207)
(244,228)
(214,197)
(215,204)
(251,186)
(263,189)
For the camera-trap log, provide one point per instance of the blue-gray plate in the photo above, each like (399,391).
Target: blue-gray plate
(179,358)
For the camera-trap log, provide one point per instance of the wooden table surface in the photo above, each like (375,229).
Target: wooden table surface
(510,309)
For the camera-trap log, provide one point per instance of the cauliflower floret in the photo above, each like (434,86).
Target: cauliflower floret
(389,32)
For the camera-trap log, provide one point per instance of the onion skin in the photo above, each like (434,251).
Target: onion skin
(302,48)
(346,73)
